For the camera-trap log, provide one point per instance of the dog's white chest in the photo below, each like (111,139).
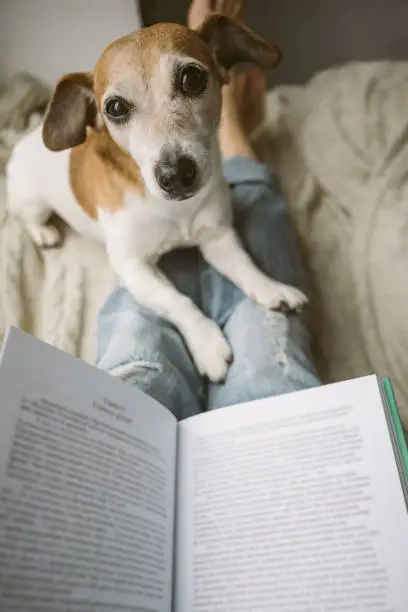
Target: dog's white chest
(147,229)
(183,232)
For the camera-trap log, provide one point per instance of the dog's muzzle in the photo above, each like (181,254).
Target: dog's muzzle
(177,177)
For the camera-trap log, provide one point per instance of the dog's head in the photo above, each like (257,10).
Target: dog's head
(157,92)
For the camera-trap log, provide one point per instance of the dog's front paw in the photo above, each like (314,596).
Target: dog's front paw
(210,350)
(45,236)
(278,296)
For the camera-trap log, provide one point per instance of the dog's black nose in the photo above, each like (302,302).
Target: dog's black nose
(178,177)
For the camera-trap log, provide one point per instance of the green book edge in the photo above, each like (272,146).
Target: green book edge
(399,432)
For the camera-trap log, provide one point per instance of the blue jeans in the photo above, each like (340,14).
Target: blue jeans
(271,349)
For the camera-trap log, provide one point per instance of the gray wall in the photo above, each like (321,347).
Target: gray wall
(315,34)
(52,37)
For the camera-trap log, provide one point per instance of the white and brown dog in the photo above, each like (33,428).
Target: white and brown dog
(129,154)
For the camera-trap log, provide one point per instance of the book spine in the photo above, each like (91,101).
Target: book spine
(399,431)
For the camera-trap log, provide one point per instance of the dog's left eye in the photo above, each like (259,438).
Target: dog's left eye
(117,109)
(192,81)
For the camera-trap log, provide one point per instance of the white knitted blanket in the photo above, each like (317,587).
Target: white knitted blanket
(340,145)
(56,293)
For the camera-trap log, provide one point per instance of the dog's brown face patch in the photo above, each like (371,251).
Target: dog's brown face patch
(137,55)
(100,172)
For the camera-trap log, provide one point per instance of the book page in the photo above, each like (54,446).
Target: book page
(292,504)
(87,479)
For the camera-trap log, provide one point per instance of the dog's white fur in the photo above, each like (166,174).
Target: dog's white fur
(146,226)
(38,184)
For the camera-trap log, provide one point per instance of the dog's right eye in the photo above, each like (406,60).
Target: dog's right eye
(117,109)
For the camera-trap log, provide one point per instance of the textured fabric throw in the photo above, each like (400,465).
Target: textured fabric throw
(341,148)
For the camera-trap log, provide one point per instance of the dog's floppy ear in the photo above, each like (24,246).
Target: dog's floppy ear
(72,108)
(232,43)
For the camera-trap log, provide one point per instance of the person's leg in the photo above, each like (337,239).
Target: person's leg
(271,349)
(271,356)
(147,351)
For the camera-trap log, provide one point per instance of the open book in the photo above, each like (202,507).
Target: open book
(295,503)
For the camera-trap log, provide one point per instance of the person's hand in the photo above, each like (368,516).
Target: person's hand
(200,9)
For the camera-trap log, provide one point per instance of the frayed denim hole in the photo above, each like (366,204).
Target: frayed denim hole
(135,369)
